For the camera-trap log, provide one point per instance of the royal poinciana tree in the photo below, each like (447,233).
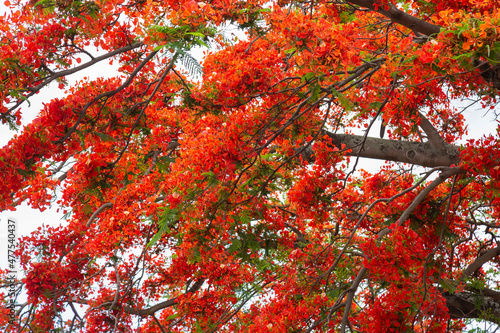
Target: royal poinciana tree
(226,196)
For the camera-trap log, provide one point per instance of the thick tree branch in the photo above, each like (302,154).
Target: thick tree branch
(469,305)
(398,16)
(485,292)
(151,310)
(432,133)
(490,72)
(417,153)
(479,262)
(447,173)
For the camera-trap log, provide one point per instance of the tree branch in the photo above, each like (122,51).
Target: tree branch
(447,173)
(432,133)
(416,24)
(418,153)
(468,305)
(151,310)
(480,261)
(34,90)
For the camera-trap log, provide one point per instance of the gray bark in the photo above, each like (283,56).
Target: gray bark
(398,16)
(473,306)
(417,153)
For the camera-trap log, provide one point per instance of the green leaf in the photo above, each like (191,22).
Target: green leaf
(157,237)
(169,216)
(196,256)
(494,53)
(253,244)
(235,245)
(196,33)
(166,159)
(44,3)
(159,47)
(173,316)
(200,42)
(307,77)
(346,104)
(105,137)
(244,218)
(316,89)
(334,293)
(198,327)
(447,286)
(375,105)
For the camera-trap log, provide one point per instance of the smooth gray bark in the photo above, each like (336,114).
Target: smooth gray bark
(417,153)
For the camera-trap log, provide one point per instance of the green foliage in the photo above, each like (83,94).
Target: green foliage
(181,40)
(168,218)
(192,65)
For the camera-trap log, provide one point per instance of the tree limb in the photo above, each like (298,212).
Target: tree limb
(417,153)
(151,310)
(447,173)
(398,16)
(56,75)
(432,133)
(480,261)
(469,305)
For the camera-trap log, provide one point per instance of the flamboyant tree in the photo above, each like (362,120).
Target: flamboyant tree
(226,196)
